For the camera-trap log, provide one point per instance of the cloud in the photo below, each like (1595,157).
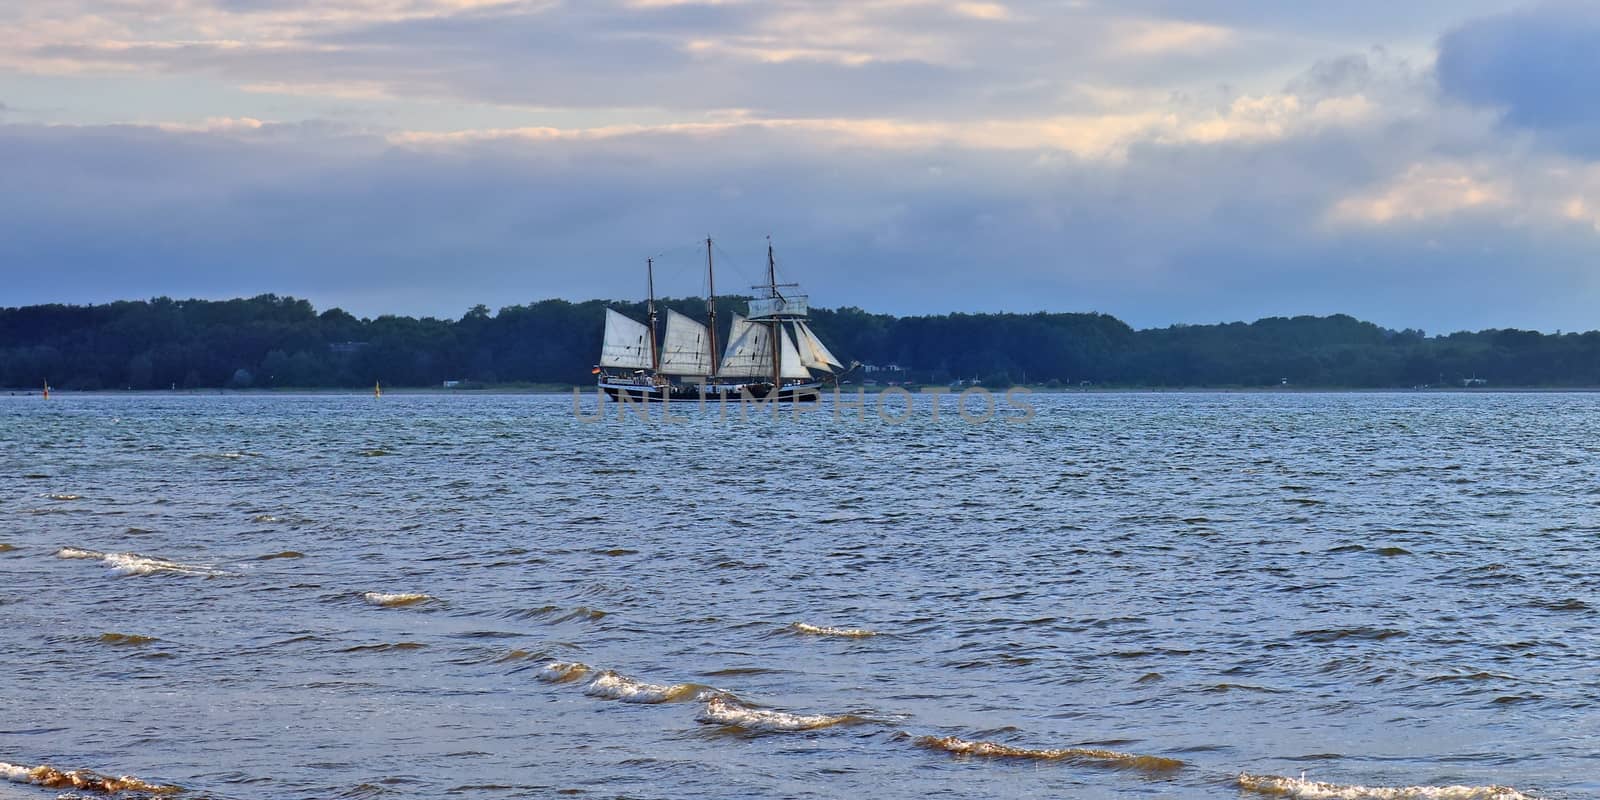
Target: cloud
(1284,202)
(1538,192)
(1162,160)
(1425,192)
(1148,37)
(1104,136)
(594,55)
(1538,65)
(988,11)
(924,59)
(930,60)
(1354,22)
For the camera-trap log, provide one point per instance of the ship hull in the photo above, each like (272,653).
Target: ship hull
(761,393)
(639,393)
(807,393)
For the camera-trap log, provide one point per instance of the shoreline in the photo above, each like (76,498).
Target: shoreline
(919,391)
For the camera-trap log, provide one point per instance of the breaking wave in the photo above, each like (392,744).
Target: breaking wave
(396,600)
(721,708)
(819,630)
(128,639)
(1277,786)
(584,613)
(734,714)
(613,685)
(557,614)
(135,564)
(563,671)
(79,779)
(1076,755)
(386,647)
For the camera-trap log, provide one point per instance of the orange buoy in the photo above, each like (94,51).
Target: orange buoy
(47,390)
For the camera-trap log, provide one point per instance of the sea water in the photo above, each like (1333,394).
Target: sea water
(1202,595)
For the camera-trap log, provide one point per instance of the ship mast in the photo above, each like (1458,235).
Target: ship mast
(711,308)
(650,277)
(776,326)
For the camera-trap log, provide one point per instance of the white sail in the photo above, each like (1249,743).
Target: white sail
(686,348)
(790,364)
(747,355)
(627,343)
(813,353)
(809,355)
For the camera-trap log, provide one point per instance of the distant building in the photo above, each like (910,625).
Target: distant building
(451,384)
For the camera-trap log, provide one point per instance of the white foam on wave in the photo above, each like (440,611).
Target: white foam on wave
(1303,789)
(722,710)
(562,671)
(821,630)
(1090,756)
(81,779)
(397,599)
(135,564)
(613,685)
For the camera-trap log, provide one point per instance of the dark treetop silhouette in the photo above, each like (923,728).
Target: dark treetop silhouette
(271,341)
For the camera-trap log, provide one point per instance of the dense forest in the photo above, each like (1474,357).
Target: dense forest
(272,342)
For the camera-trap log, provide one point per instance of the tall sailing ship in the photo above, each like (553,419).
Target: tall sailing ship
(771,353)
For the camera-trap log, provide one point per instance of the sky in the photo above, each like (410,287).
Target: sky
(1427,164)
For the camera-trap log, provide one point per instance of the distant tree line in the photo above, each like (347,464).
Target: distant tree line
(271,341)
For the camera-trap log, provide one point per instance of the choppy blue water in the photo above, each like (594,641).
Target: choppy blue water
(1132,595)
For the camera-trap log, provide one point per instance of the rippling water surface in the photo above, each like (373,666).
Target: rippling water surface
(1132,595)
